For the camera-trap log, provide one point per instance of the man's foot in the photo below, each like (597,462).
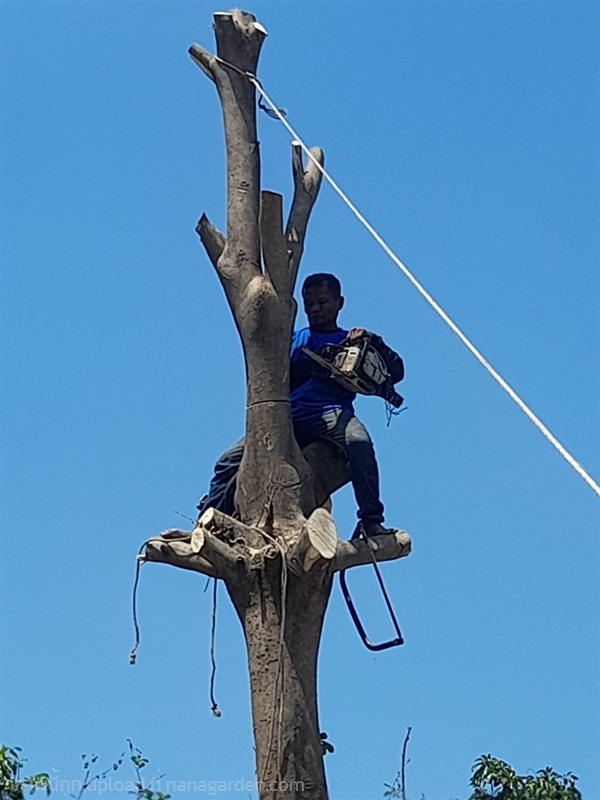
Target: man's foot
(377,529)
(176,534)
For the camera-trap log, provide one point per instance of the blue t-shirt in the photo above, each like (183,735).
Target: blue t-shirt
(311,395)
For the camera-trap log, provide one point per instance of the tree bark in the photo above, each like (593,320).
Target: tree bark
(277,558)
(283,675)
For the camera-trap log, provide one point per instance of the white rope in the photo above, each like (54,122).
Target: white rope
(424,293)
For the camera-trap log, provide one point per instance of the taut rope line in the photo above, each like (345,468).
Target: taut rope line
(277,113)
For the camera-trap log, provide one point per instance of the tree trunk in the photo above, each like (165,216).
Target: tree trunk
(283,674)
(277,557)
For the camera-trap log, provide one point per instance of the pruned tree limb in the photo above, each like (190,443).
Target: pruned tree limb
(307,183)
(357,552)
(212,239)
(274,252)
(203,59)
(317,541)
(178,554)
(210,548)
(239,38)
(215,521)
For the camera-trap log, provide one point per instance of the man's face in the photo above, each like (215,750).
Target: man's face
(322,308)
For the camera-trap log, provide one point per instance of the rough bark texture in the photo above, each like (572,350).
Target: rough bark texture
(283,675)
(277,563)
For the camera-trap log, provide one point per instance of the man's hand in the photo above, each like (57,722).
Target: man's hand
(354,334)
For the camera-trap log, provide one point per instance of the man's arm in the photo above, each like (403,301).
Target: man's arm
(393,361)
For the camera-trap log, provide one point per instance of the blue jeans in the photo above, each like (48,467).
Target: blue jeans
(339,428)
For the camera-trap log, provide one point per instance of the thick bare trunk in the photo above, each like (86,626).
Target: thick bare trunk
(283,672)
(273,470)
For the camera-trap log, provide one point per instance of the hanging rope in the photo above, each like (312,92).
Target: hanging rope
(279,673)
(277,113)
(213,664)
(133,653)
(139,561)
(136,627)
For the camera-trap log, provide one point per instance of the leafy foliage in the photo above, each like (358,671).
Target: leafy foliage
(139,762)
(12,786)
(396,791)
(494,779)
(491,779)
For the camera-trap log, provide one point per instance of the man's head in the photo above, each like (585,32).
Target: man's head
(323,301)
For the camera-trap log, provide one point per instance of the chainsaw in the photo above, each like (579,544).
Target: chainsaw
(359,367)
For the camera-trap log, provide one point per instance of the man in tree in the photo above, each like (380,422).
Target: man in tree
(322,409)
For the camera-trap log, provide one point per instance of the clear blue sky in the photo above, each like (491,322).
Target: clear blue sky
(467,132)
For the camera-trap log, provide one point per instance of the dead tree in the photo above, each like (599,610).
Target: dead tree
(278,556)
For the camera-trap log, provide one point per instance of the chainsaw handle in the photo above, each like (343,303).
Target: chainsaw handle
(356,619)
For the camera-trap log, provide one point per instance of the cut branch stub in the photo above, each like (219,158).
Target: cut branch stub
(239,38)
(317,541)
(178,553)
(212,239)
(357,552)
(216,522)
(275,255)
(197,540)
(203,59)
(322,535)
(218,546)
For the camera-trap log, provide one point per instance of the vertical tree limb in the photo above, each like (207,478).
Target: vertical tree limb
(307,183)
(275,255)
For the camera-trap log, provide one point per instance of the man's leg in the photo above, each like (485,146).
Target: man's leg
(364,473)
(222,487)
(350,436)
